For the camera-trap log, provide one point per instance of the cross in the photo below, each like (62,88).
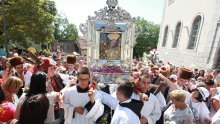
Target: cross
(112,3)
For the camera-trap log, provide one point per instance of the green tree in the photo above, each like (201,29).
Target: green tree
(29,20)
(147,38)
(64,30)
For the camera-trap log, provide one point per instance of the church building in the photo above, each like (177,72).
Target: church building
(190,33)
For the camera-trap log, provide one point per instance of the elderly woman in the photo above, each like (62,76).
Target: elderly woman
(195,101)
(178,112)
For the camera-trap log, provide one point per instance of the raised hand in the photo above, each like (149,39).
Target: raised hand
(91,92)
(143,97)
(143,120)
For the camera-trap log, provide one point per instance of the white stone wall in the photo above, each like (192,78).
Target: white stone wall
(185,11)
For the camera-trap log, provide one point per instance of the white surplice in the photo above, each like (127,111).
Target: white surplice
(124,115)
(151,109)
(72,98)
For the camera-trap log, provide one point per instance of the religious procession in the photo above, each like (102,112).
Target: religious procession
(112,83)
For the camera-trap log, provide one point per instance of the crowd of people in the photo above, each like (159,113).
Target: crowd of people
(61,89)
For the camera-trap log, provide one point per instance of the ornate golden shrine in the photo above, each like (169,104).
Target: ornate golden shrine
(110,36)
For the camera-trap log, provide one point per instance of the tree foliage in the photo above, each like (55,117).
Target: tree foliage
(29,20)
(147,38)
(65,31)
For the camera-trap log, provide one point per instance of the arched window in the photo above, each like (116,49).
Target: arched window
(177,35)
(194,32)
(165,37)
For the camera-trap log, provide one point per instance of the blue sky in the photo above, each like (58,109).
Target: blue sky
(77,11)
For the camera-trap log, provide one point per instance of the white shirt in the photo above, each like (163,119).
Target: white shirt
(161,100)
(27,78)
(200,109)
(216,118)
(64,77)
(179,116)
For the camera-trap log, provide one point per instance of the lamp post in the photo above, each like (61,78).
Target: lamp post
(4,25)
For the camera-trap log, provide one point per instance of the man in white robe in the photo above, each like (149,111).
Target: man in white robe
(81,104)
(128,111)
(151,110)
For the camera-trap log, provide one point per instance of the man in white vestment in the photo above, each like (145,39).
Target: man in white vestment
(151,110)
(128,110)
(81,103)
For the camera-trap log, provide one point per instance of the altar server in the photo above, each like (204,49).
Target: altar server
(80,107)
(128,110)
(151,110)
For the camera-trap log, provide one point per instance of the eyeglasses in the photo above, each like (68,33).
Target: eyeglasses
(80,79)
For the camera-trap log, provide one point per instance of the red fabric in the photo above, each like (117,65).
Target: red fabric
(92,86)
(54,85)
(46,62)
(135,89)
(24,72)
(7,110)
